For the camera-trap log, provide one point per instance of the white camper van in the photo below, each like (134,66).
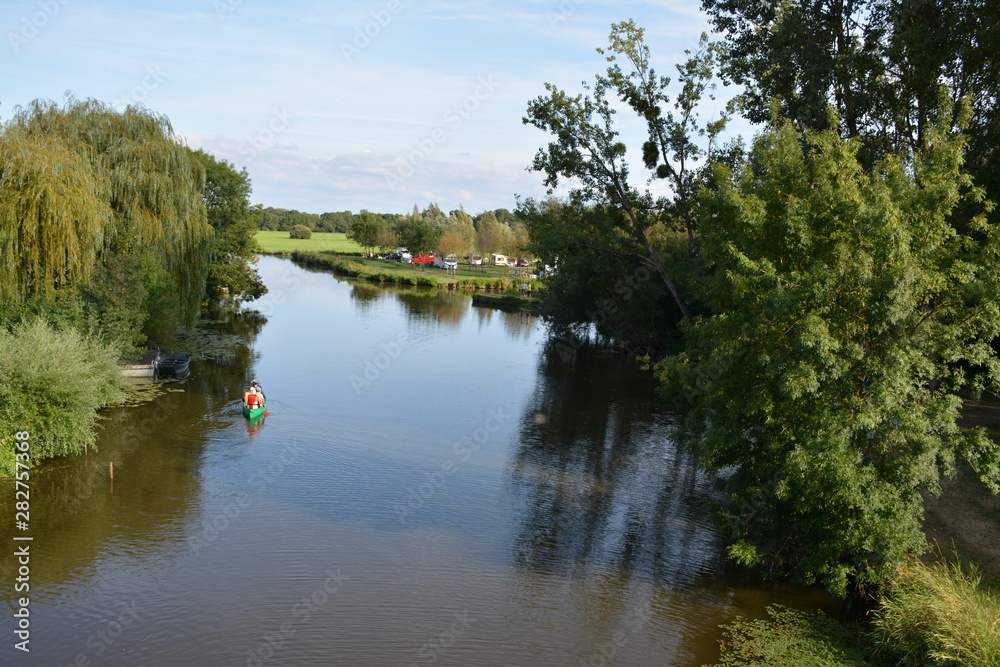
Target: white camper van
(447,262)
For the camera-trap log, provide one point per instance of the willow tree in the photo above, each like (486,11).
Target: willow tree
(848,314)
(143,186)
(52,217)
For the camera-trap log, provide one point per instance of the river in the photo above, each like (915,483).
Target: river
(431,486)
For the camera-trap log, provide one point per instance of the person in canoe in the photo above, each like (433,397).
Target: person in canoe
(252,399)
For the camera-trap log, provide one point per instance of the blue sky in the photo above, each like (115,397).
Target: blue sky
(338,106)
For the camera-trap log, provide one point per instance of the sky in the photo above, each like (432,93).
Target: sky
(378,105)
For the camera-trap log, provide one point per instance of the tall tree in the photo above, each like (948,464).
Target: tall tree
(52,216)
(848,312)
(147,203)
(588,150)
(887,66)
(235,221)
(491,235)
(364,230)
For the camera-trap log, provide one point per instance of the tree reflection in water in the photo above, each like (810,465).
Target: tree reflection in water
(599,482)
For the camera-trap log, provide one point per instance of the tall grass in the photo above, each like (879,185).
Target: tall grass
(52,382)
(939,614)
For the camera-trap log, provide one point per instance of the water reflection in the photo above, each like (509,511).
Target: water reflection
(599,482)
(443,307)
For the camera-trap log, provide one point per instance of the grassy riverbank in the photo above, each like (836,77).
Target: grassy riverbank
(493,278)
(279,243)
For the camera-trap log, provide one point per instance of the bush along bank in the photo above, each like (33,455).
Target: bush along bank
(510,301)
(53,382)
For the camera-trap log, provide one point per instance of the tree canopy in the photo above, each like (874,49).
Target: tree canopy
(847,312)
(235,221)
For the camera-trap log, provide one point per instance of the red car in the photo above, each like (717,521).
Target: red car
(423,259)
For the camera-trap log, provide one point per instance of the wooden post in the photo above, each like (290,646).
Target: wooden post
(111,469)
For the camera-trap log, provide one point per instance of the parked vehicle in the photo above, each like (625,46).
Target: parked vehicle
(423,259)
(523,263)
(498,260)
(447,262)
(475,260)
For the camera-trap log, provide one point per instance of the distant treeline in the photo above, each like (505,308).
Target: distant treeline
(283,219)
(430,230)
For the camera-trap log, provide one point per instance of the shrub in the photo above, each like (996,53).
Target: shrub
(52,383)
(939,614)
(791,638)
(300,232)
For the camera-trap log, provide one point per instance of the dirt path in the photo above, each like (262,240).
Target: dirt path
(966,516)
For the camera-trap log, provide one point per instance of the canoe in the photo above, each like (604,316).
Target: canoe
(255,412)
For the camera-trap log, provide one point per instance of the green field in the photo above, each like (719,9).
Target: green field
(278,242)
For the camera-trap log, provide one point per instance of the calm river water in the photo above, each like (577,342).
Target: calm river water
(430,487)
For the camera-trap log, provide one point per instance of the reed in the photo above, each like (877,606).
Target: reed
(939,614)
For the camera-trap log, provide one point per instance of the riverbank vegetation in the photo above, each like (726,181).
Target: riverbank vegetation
(52,382)
(112,236)
(494,278)
(938,612)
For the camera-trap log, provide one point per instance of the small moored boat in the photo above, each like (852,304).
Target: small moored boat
(175,365)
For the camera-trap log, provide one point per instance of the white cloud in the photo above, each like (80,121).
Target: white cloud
(268,86)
